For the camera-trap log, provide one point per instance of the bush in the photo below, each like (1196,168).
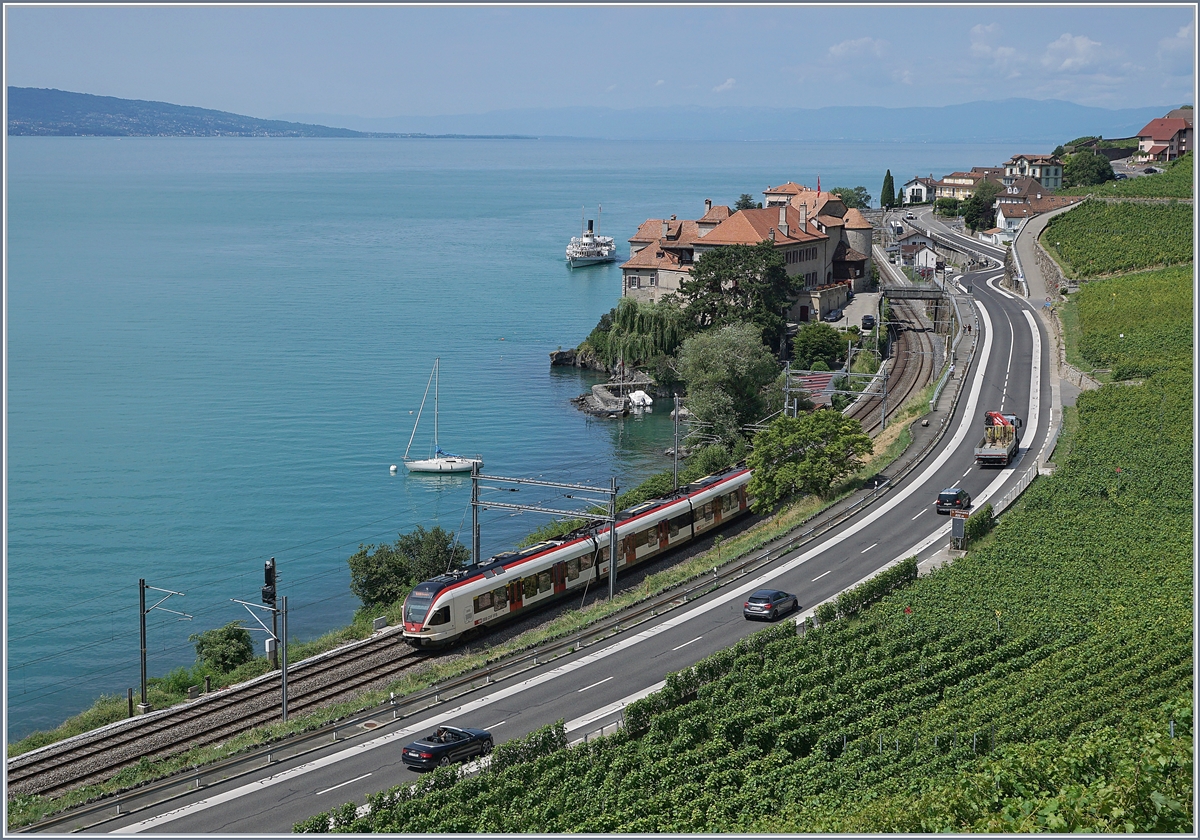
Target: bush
(533,746)
(224,648)
(979,523)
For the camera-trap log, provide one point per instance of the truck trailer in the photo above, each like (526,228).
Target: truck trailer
(1001,439)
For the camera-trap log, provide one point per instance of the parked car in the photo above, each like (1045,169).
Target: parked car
(769,604)
(1150,170)
(910,215)
(447,745)
(953,498)
(1120,176)
(868,322)
(832,315)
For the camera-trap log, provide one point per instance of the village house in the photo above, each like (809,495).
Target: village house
(1047,170)
(823,243)
(962,185)
(919,190)
(1014,208)
(1165,138)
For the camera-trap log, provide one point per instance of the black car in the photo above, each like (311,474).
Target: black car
(448,745)
(953,498)
(868,322)
(769,604)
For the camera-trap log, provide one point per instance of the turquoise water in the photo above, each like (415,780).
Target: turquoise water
(215,347)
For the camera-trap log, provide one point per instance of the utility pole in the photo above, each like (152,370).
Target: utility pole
(144,706)
(612,538)
(268,599)
(675,451)
(274,610)
(283,644)
(475,513)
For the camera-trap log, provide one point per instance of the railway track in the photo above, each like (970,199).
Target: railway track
(98,756)
(913,366)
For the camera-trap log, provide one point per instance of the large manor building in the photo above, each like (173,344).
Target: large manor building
(822,242)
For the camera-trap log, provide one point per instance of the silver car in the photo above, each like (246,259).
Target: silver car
(769,604)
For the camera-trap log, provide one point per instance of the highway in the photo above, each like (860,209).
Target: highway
(588,689)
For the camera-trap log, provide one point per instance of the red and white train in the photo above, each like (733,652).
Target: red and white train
(450,606)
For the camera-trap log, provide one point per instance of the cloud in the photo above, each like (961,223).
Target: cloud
(727,85)
(1074,54)
(1175,54)
(859,47)
(1000,62)
(660,82)
(610,88)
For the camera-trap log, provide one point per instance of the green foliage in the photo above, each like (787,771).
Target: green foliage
(726,371)
(638,332)
(1085,168)
(805,454)
(817,342)
(745,202)
(887,193)
(947,206)
(540,742)
(979,523)
(1174,182)
(977,211)
(1097,238)
(738,284)
(384,575)
(224,648)
(1158,338)
(853,197)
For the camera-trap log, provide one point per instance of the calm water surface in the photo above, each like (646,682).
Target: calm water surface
(216,346)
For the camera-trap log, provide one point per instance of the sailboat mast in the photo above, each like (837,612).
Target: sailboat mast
(436,448)
(421,409)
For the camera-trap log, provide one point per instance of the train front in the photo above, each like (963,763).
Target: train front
(428,611)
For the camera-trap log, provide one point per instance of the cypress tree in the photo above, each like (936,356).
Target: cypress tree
(887,195)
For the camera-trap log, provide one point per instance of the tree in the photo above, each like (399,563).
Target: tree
(978,210)
(1085,169)
(745,202)
(853,197)
(818,343)
(726,370)
(224,648)
(887,195)
(384,575)
(738,283)
(946,206)
(804,454)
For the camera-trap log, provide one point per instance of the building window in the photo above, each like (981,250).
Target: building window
(654,281)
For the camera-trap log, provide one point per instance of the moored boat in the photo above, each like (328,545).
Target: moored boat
(590,247)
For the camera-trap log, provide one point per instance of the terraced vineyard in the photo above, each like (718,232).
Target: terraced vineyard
(1175,182)
(1097,238)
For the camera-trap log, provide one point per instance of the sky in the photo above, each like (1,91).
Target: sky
(384,61)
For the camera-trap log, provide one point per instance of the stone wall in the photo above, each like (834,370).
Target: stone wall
(1051,272)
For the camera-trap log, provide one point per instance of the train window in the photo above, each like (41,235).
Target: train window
(682,521)
(603,557)
(673,528)
(652,536)
(586,561)
(530,584)
(416,606)
(483,602)
(573,568)
(500,598)
(441,616)
(544,584)
(706,512)
(728,501)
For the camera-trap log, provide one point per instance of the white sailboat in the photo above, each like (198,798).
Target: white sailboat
(441,462)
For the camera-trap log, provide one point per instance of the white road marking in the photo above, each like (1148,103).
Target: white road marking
(818,577)
(968,472)
(920,513)
(868,548)
(343,784)
(442,716)
(593,685)
(685,644)
(494,725)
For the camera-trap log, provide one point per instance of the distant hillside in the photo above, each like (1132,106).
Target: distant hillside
(60,113)
(1030,125)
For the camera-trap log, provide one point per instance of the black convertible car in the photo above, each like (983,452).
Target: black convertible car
(448,745)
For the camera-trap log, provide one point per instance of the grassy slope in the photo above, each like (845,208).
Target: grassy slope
(1175,182)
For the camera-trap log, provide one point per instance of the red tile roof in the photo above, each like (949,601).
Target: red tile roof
(1163,129)
(654,257)
(844,252)
(790,188)
(855,220)
(717,213)
(749,227)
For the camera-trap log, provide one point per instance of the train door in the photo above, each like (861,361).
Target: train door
(516,595)
(742,498)
(559,573)
(716,509)
(664,534)
(629,549)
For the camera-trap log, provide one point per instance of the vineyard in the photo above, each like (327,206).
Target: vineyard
(1161,336)
(1097,238)
(1031,684)
(1175,182)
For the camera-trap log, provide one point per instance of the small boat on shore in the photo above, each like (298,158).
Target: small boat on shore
(441,462)
(590,247)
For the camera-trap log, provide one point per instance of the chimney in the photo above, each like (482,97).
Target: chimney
(707,205)
(803,217)
(589,225)
(783,227)
(771,234)
(666,228)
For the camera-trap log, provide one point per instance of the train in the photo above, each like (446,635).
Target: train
(462,602)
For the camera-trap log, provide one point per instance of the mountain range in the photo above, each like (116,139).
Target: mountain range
(41,111)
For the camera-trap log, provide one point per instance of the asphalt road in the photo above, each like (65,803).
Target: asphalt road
(589,688)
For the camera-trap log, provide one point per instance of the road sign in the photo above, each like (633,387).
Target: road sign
(959,514)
